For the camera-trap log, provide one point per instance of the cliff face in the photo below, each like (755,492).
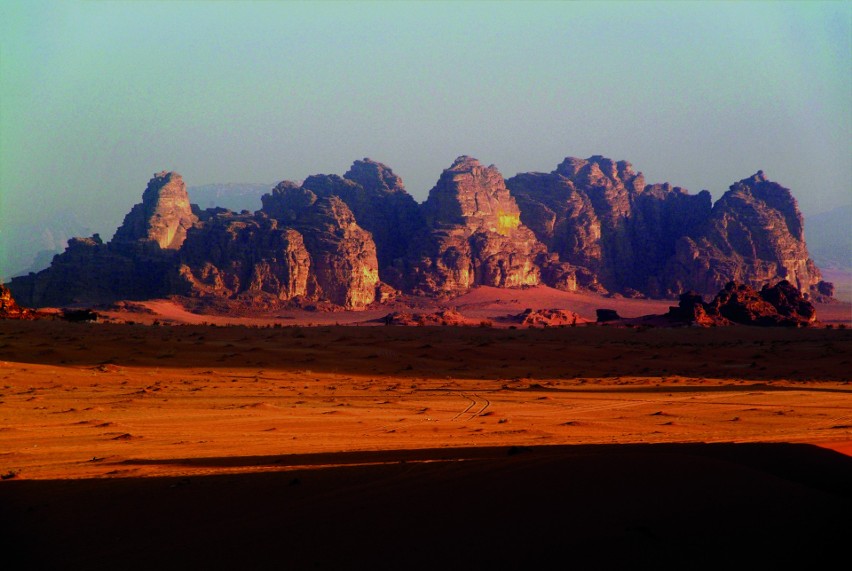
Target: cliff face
(231,255)
(475,235)
(381,205)
(344,267)
(598,215)
(659,240)
(753,235)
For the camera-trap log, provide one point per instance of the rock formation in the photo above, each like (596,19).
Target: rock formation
(232,255)
(360,238)
(547,318)
(659,240)
(9,309)
(138,263)
(343,255)
(753,235)
(598,215)
(475,235)
(779,305)
(163,216)
(444,317)
(381,205)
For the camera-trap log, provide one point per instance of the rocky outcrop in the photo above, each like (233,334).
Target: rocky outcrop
(245,255)
(91,272)
(606,315)
(598,215)
(344,267)
(381,205)
(163,216)
(754,235)
(9,309)
(780,305)
(475,235)
(548,318)
(658,240)
(138,263)
(444,317)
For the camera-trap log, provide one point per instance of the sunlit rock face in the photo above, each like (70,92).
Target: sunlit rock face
(163,216)
(475,235)
(658,240)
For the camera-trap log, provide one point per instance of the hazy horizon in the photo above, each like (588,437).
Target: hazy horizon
(95,97)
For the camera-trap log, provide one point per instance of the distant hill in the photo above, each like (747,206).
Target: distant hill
(829,238)
(233,196)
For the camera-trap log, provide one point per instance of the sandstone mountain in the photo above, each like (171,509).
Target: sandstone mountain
(754,234)
(359,238)
(474,235)
(163,216)
(659,240)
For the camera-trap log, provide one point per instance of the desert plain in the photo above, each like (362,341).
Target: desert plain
(161,438)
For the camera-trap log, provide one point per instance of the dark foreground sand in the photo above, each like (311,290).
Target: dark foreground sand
(197,447)
(670,506)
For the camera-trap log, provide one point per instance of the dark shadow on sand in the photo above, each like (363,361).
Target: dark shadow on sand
(742,353)
(613,506)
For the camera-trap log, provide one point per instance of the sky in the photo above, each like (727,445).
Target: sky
(97,96)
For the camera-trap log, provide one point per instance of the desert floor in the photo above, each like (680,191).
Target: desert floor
(332,446)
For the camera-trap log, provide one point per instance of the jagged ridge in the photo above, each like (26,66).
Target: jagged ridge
(352,240)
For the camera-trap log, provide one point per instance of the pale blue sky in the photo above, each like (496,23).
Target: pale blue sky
(97,96)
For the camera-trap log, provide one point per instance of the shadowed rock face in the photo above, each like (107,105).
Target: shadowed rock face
(163,216)
(230,255)
(598,215)
(659,240)
(753,235)
(475,235)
